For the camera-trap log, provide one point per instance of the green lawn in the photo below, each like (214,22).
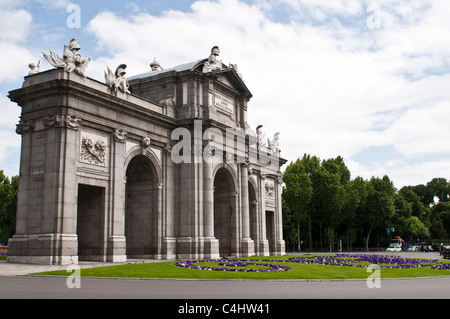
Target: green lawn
(3,253)
(298,271)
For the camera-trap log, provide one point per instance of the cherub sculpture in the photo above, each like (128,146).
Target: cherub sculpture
(117,79)
(34,68)
(71,61)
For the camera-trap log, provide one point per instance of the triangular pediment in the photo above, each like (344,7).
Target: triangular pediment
(232,79)
(227,75)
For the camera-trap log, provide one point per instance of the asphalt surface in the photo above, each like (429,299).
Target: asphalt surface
(91,288)
(16,283)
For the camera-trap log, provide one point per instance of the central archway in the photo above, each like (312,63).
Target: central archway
(141,208)
(225,212)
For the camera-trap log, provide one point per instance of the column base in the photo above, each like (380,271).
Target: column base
(169,248)
(43,249)
(117,247)
(264,247)
(211,248)
(247,247)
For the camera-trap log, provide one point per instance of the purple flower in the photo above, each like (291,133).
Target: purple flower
(356,260)
(235,263)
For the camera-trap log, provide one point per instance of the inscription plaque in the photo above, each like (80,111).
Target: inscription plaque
(224,103)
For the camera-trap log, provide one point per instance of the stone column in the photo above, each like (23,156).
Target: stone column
(18,245)
(64,168)
(281,246)
(247,244)
(169,248)
(264,243)
(116,242)
(211,244)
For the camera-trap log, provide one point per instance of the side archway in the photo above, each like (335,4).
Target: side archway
(225,211)
(141,206)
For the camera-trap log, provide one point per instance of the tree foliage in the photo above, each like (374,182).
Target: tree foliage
(8,206)
(322,195)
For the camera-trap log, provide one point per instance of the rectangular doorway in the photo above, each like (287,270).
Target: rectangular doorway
(270,230)
(90,222)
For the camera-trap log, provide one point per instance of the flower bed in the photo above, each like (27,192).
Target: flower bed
(235,263)
(359,260)
(362,260)
(3,253)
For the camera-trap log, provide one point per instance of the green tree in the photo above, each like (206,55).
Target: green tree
(416,196)
(426,197)
(440,188)
(356,192)
(417,229)
(8,205)
(289,226)
(440,213)
(297,194)
(402,215)
(437,229)
(335,176)
(379,207)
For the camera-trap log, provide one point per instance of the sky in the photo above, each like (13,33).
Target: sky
(368,80)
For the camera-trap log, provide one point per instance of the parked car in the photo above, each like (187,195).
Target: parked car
(446,254)
(395,245)
(444,251)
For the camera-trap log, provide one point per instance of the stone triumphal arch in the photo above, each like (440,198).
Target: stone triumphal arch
(158,165)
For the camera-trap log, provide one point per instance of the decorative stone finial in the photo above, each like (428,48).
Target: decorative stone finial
(155,65)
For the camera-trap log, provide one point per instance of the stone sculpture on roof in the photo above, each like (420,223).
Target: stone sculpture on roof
(71,61)
(34,68)
(155,66)
(274,144)
(213,63)
(260,136)
(117,79)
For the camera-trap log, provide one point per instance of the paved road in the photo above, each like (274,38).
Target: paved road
(15,284)
(91,288)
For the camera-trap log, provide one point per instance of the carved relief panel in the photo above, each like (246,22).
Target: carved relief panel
(269,189)
(93,149)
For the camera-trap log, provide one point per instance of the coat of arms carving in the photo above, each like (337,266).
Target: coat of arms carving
(93,150)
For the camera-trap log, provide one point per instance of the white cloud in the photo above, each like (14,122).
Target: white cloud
(330,83)
(423,131)
(15,24)
(401,172)
(132,6)
(57,4)
(9,141)
(330,89)
(323,9)
(14,60)
(10,112)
